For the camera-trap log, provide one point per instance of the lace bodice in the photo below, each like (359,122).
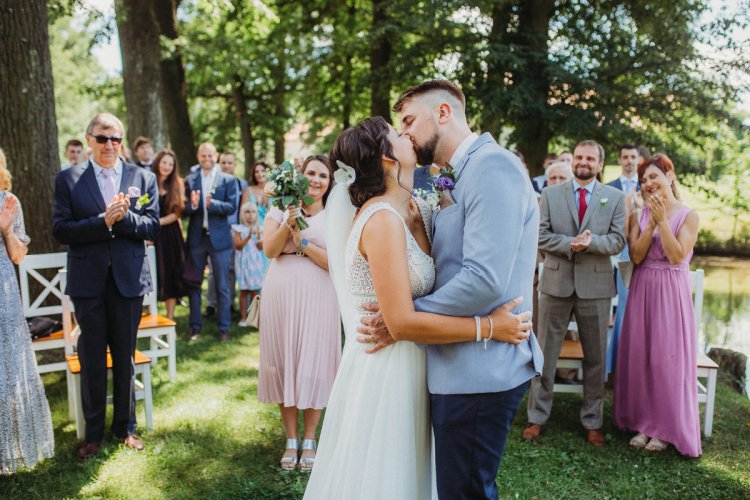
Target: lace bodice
(421,265)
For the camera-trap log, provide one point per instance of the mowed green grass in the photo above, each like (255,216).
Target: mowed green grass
(212,439)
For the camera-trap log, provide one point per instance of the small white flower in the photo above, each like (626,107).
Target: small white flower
(603,202)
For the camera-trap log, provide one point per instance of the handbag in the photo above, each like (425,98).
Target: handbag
(253,312)
(40,327)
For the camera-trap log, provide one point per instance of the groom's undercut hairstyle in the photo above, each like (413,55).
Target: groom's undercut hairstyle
(105,121)
(361,147)
(595,144)
(446,87)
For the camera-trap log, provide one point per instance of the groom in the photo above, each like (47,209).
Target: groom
(484,248)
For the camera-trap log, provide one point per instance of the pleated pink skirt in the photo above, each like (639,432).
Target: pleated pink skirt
(300,334)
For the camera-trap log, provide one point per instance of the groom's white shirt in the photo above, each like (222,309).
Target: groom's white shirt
(484,248)
(463,148)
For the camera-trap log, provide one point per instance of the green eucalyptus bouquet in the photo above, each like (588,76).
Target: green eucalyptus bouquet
(287,187)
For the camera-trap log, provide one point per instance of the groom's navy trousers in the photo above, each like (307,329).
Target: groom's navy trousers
(470,433)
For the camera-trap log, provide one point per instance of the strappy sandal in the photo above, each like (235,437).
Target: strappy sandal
(289,462)
(639,440)
(656,445)
(306,463)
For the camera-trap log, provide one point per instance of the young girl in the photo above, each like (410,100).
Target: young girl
(249,262)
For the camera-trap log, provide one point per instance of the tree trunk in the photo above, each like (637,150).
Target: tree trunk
(533,131)
(246,133)
(494,78)
(380,56)
(174,88)
(141,70)
(28,129)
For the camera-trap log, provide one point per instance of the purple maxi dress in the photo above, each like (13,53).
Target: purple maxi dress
(656,390)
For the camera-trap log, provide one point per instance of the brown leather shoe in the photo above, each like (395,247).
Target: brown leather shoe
(595,437)
(223,336)
(88,450)
(133,442)
(532,432)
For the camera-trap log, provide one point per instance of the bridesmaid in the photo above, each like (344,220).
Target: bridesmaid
(300,329)
(656,392)
(254,192)
(170,246)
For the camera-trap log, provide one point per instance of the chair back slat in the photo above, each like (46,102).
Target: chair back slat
(696,283)
(29,268)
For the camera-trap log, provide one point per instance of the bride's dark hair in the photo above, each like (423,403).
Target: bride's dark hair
(362,147)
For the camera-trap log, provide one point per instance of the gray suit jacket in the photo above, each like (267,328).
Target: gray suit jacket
(589,273)
(484,248)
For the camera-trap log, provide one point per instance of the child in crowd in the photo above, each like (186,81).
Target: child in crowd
(250,264)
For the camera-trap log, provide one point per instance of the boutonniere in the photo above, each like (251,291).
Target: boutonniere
(213,188)
(445,180)
(603,202)
(142,201)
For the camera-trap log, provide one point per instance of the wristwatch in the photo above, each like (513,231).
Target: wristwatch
(302,245)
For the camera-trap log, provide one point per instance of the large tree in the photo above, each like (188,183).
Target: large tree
(28,133)
(141,70)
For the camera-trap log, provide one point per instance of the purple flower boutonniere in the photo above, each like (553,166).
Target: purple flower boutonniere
(445,180)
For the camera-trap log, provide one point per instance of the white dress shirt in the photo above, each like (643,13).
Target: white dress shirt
(588,187)
(100,179)
(629,184)
(207,185)
(462,149)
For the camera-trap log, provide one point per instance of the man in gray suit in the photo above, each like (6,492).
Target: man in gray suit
(582,224)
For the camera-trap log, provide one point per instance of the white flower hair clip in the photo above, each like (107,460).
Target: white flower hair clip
(345,174)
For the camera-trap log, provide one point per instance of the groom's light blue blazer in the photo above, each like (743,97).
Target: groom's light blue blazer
(484,248)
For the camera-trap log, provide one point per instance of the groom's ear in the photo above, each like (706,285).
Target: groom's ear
(445,112)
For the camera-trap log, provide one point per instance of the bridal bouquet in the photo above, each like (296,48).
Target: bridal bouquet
(287,187)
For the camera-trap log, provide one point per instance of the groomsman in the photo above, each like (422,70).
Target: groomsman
(582,224)
(143,150)
(73,153)
(212,198)
(104,211)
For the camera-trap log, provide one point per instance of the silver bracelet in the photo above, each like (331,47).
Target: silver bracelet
(490,337)
(478,323)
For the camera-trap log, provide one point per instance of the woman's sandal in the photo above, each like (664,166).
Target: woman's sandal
(289,462)
(656,445)
(306,463)
(639,440)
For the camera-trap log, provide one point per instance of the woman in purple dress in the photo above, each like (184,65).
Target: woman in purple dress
(656,392)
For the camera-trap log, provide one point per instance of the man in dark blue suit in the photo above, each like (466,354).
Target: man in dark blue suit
(628,180)
(104,211)
(212,198)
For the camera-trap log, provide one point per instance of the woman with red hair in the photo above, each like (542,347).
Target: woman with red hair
(655,391)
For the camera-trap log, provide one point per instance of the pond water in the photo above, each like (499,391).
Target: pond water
(726,304)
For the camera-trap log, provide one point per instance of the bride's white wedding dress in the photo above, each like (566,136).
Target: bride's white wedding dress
(375,442)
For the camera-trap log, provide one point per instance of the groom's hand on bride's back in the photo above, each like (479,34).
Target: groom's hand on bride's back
(509,327)
(372,329)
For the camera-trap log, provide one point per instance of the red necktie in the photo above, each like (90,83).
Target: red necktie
(581,205)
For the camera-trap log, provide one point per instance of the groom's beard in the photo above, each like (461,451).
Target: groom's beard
(426,153)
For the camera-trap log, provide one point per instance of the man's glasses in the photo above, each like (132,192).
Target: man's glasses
(102,139)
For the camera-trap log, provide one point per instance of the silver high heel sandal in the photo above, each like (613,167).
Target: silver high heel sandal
(288,462)
(306,463)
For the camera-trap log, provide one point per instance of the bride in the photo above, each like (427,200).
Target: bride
(375,441)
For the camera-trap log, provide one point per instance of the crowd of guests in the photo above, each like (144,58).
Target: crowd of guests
(253,247)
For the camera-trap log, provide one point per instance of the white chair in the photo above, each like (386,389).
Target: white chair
(707,368)
(30,272)
(75,404)
(160,330)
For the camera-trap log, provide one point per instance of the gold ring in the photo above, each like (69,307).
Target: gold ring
(372,339)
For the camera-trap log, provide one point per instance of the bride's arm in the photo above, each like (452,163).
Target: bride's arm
(384,246)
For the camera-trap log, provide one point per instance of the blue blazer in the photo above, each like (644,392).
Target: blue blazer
(618,185)
(484,248)
(223,204)
(422,179)
(92,249)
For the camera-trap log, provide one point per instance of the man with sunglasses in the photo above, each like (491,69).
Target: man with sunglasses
(104,210)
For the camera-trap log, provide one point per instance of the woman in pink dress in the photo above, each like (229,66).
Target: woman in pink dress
(300,329)
(655,391)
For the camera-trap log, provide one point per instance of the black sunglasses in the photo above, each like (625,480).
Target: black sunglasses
(102,139)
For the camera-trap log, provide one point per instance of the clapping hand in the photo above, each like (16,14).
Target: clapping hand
(116,209)
(581,242)
(8,213)
(658,209)
(195,197)
(637,198)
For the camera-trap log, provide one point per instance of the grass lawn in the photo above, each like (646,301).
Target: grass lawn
(212,439)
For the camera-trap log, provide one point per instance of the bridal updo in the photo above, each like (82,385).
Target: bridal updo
(362,147)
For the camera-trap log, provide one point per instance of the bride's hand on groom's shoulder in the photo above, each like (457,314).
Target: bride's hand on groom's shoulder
(509,327)
(372,329)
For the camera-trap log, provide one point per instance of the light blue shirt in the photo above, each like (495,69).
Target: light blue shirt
(629,185)
(588,187)
(100,179)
